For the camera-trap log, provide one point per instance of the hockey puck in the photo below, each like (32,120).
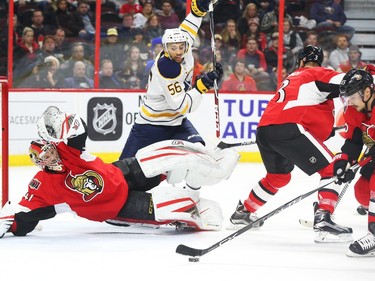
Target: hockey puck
(194,259)
(361,210)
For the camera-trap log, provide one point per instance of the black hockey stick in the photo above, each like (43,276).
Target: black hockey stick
(223,145)
(193,252)
(213,49)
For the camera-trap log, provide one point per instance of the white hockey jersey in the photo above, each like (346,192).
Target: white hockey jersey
(170,96)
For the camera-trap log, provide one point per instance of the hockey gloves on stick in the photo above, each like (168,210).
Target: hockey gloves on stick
(6,218)
(205,82)
(341,168)
(199,7)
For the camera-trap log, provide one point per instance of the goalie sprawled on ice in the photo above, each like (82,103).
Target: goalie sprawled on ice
(117,192)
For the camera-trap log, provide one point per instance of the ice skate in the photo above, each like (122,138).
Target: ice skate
(326,231)
(241,217)
(365,246)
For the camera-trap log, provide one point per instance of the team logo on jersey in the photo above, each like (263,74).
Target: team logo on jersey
(104,118)
(34,183)
(89,184)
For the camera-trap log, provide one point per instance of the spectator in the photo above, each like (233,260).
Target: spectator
(354,60)
(250,12)
(329,14)
(168,18)
(254,31)
(198,67)
(239,81)
(225,10)
(40,29)
(140,42)
(141,18)
(48,49)
(270,20)
(78,54)
(153,28)
(274,79)
(341,53)
(133,70)
(325,62)
(112,50)
(125,31)
(292,40)
(48,75)
(79,78)
(62,46)
(255,61)
(130,7)
(206,53)
(85,20)
(107,80)
(65,19)
(311,38)
(24,58)
(156,48)
(231,39)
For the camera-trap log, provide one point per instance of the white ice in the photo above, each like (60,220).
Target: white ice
(71,248)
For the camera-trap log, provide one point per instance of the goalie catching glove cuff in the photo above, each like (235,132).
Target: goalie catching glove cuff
(341,168)
(205,82)
(6,218)
(199,7)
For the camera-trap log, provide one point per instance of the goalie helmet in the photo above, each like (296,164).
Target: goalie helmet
(174,35)
(45,155)
(311,53)
(356,81)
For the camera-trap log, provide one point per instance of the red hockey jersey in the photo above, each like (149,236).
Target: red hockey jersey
(93,189)
(305,98)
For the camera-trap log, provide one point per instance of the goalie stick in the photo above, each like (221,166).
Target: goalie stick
(309,223)
(193,252)
(223,145)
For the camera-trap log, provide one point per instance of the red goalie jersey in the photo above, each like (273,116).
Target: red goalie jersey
(304,97)
(93,189)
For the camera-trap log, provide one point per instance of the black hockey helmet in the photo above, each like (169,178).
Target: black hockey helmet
(356,80)
(311,53)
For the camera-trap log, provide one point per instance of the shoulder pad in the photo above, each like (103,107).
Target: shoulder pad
(168,68)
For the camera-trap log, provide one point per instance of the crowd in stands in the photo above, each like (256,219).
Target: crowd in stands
(54,41)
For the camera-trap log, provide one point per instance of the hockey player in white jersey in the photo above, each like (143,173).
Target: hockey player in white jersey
(170,95)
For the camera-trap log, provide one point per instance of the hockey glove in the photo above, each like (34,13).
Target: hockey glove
(199,7)
(341,168)
(205,82)
(6,218)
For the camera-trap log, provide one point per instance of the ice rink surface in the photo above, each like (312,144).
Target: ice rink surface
(71,248)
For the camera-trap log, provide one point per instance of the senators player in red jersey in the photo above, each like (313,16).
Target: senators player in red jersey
(116,192)
(358,92)
(291,132)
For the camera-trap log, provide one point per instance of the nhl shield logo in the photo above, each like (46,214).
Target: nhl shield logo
(104,121)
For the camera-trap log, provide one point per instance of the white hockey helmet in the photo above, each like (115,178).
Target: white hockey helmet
(44,154)
(174,35)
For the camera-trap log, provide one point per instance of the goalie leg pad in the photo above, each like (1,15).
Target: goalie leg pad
(189,161)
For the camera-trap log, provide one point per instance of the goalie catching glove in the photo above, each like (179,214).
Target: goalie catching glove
(341,168)
(55,125)
(205,82)
(6,218)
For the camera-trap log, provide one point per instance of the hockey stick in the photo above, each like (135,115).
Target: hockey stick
(193,252)
(223,145)
(309,223)
(213,48)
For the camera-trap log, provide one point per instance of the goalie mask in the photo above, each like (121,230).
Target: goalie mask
(45,155)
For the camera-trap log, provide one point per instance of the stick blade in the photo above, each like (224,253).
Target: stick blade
(222,145)
(188,251)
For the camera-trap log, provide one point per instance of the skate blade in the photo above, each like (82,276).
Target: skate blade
(355,255)
(232,226)
(326,237)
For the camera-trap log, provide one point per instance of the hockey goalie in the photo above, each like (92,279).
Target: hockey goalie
(122,193)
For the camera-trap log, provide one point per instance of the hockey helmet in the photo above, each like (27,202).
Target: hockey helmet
(354,81)
(174,35)
(44,154)
(311,53)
